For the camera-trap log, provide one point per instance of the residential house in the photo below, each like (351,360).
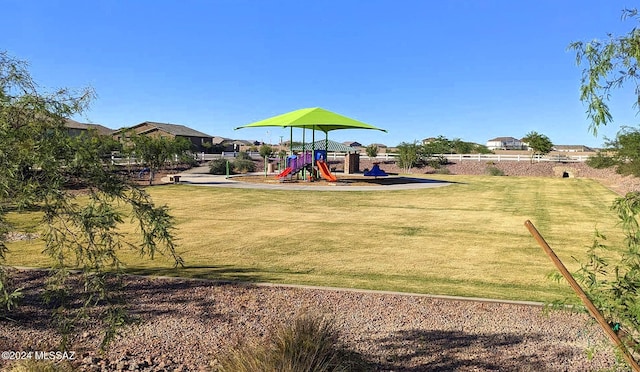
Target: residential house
(504,143)
(153,129)
(75,128)
(573,148)
(429,140)
(352,144)
(382,148)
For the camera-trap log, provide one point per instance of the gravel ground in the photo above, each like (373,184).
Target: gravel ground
(185,324)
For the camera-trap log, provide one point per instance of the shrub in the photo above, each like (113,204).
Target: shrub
(32,365)
(494,171)
(443,170)
(242,155)
(309,344)
(243,166)
(600,161)
(372,150)
(188,160)
(218,166)
(265,151)
(408,156)
(436,162)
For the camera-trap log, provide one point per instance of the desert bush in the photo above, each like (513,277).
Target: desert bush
(309,344)
(443,170)
(408,156)
(218,166)
(32,365)
(436,162)
(243,166)
(188,160)
(599,161)
(372,150)
(494,171)
(242,155)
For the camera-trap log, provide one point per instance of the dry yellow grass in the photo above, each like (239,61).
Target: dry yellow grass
(465,239)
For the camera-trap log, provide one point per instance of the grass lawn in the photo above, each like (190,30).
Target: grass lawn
(467,239)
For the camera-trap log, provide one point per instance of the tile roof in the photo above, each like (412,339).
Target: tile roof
(333,146)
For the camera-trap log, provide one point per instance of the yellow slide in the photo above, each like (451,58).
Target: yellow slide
(324,171)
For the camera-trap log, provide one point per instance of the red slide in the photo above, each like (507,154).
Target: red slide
(285,172)
(324,171)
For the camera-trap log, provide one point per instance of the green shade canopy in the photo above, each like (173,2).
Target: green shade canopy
(314,118)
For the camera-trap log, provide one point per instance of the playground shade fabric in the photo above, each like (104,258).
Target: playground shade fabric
(315,118)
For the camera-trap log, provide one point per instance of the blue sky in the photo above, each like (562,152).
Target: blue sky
(463,69)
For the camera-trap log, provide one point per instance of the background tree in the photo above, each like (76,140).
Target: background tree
(538,143)
(155,152)
(459,146)
(39,163)
(439,145)
(265,152)
(613,284)
(408,156)
(372,150)
(623,153)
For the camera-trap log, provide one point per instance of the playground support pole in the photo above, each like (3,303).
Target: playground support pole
(583,296)
(313,149)
(304,151)
(291,141)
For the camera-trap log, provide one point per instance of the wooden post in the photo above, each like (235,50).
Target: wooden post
(583,296)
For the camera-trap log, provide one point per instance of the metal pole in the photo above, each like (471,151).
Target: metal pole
(583,296)
(304,130)
(313,149)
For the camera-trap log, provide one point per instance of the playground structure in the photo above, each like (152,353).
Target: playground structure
(306,164)
(314,118)
(375,171)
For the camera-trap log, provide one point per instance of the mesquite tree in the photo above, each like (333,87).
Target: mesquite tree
(614,284)
(538,143)
(39,165)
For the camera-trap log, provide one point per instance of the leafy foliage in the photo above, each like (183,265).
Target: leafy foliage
(623,152)
(539,143)
(242,155)
(265,151)
(372,150)
(440,145)
(243,166)
(157,151)
(613,284)
(218,166)
(610,64)
(408,156)
(39,165)
(443,145)
(600,160)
